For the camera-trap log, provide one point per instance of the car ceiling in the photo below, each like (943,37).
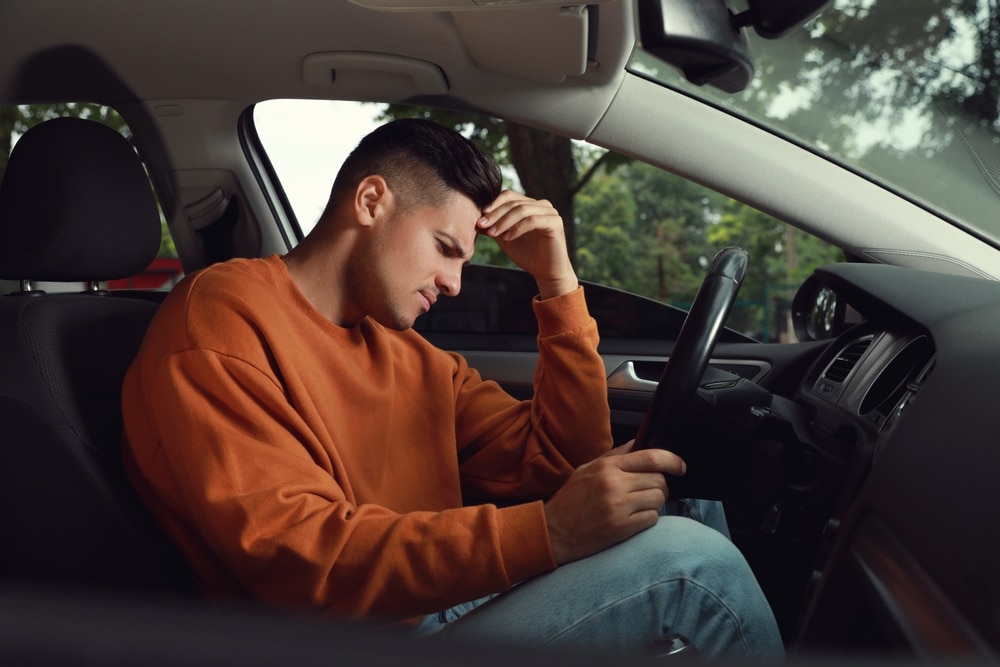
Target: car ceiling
(559,68)
(156,52)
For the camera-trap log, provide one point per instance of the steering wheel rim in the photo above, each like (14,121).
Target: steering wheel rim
(679,382)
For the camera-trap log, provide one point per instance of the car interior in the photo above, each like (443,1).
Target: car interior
(855,464)
(66,357)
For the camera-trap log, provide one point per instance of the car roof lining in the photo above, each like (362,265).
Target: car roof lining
(170,63)
(693,140)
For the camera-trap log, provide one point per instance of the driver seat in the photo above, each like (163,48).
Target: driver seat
(76,206)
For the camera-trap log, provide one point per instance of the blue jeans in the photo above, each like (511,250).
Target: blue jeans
(681,576)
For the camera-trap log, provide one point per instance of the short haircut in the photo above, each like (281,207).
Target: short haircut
(422,162)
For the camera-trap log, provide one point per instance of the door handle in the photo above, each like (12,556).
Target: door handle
(624,377)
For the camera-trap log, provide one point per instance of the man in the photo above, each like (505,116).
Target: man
(304,447)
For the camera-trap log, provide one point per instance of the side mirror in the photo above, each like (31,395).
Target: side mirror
(817,313)
(704,39)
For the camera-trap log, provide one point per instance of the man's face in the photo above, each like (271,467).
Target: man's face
(416,257)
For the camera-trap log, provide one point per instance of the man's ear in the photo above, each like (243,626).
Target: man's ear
(372,200)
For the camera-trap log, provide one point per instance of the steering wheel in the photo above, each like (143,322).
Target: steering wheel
(665,418)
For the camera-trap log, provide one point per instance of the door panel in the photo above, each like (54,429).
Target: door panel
(492,324)
(629,392)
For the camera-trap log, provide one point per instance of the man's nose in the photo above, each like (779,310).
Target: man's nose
(450,282)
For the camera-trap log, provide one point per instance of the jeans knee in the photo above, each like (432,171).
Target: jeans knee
(673,534)
(681,548)
(712,588)
(678,576)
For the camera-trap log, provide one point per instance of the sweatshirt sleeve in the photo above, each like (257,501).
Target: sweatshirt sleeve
(252,508)
(517,450)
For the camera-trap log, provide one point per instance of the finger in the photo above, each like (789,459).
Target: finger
(639,494)
(502,198)
(648,499)
(521,219)
(510,201)
(500,206)
(519,228)
(643,519)
(652,460)
(639,482)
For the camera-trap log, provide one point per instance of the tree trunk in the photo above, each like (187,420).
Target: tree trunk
(544,163)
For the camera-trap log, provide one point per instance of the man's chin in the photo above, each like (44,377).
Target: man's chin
(396,323)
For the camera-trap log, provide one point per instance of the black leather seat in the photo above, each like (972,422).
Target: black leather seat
(75,206)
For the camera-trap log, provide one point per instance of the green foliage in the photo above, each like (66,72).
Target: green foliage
(606,235)
(167,246)
(653,233)
(781,257)
(642,229)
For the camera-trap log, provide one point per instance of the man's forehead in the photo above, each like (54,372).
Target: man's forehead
(459,221)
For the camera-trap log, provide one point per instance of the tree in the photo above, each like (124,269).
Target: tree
(610,250)
(640,228)
(676,213)
(902,93)
(781,258)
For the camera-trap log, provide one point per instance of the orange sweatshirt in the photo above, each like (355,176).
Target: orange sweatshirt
(304,464)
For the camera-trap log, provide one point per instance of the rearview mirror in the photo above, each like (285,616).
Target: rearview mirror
(699,38)
(772,19)
(704,39)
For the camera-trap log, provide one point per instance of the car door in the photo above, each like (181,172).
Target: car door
(491,323)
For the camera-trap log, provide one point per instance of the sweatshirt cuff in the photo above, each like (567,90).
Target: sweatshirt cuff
(524,541)
(560,314)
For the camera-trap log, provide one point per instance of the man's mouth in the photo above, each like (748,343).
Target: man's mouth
(428,298)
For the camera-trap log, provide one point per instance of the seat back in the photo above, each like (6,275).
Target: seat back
(75,206)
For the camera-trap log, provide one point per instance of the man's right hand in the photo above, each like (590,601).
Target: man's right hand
(608,500)
(531,232)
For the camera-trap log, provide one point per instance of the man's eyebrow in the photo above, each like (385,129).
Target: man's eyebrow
(455,247)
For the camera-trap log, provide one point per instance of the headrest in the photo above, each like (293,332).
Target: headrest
(75,205)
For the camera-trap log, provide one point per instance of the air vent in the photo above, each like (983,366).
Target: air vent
(841,367)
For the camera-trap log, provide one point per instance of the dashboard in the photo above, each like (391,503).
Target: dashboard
(905,396)
(874,375)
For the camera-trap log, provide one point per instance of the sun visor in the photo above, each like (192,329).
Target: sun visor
(540,43)
(537,40)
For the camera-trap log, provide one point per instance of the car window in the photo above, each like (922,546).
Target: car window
(645,233)
(907,97)
(165,270)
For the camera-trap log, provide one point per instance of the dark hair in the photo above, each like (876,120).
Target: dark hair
(421,161)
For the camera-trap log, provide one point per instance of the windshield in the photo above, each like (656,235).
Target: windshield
(904,92)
